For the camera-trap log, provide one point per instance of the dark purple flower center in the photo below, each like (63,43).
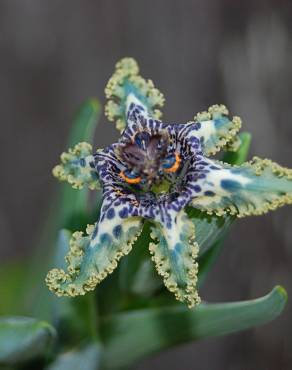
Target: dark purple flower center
(148,158)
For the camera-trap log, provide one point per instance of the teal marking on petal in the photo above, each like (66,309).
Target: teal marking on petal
(253,188)
(94,255)
(174,252)
(130,88)
(230,185)
(216,130)
(75,167)
(221,122)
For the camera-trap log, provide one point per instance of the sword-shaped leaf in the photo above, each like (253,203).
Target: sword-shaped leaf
(131,336)
(23,339)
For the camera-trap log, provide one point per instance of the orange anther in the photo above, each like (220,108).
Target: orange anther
(135,180)
(176,164)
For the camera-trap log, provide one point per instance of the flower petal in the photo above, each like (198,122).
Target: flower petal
(77,167)
(215,130)
(126,81)
(95,255)
(174,252)
(253,188)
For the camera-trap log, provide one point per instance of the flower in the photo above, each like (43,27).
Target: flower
(154,172)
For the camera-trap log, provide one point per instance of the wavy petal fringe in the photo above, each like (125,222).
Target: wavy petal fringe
(75,167)
(253,188)
(92,257)
(175,258)
(124,81)
(216,130)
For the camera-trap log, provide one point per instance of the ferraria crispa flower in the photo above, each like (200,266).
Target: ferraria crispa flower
(154,172)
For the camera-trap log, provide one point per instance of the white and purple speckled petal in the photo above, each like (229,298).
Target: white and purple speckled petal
(95,255)
(214,129)
(253,188)
(174,252)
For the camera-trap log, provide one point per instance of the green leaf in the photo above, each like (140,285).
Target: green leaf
(68,210)
(23,339)
(85,122)
(133,335)
(207,260)
(74,318)
(73,204)
(137,274)
(240,156)
(209,229)
(11,276)
(62,247)
(86,358)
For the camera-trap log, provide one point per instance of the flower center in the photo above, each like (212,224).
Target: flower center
(150,161)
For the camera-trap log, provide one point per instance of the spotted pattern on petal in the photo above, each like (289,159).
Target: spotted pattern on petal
(153,172)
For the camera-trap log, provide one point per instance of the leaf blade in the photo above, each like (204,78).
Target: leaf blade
(23,338)
(240,156)
(87,358)
(131,336)
(73,205)
(71,213)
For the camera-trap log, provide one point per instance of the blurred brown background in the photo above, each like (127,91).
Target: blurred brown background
(55,54)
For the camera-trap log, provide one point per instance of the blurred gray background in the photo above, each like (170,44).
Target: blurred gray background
(55,54)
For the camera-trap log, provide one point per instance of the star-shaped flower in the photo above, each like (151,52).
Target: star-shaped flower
(154,172)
